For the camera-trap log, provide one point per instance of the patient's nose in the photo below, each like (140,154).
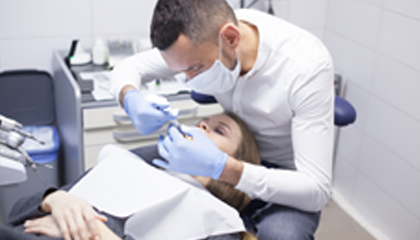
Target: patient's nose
(203,125)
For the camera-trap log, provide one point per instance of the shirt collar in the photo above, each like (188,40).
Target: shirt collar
(263,51)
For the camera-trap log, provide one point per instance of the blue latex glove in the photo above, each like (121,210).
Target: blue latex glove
(148,112)
(199,156)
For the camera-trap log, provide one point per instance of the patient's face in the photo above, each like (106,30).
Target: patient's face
(223,131)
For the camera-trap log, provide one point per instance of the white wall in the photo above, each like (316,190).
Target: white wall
(376,46)
(31,30)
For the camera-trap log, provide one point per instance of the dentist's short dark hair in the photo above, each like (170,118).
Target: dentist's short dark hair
(199,20)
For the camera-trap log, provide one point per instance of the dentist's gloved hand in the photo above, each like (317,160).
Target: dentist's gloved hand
(199,156)
(148,112)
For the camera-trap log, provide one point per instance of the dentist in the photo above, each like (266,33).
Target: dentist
(277,77)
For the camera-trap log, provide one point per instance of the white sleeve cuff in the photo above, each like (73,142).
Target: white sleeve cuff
(251,177)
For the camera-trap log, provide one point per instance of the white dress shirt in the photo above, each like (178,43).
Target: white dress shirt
(287,101)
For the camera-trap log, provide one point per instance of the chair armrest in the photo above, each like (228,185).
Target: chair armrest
(344,112)
(12,171)
(202,98)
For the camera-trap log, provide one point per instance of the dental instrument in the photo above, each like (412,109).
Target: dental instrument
(12,137)
(11,125)
(177,125)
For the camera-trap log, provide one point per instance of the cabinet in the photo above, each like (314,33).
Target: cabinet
(86,125)
(110,125)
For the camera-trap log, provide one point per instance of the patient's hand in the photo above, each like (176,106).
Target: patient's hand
(47,226)
(43,225)
(75,217)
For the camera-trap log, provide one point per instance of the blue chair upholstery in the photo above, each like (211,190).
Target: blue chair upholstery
(344,112)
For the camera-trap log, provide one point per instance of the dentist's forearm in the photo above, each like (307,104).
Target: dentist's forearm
(123,91)
(232,172)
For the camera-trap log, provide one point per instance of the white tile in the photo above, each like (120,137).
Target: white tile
(397,84)
(407,7)
(308,13)
(344,178)
(44,18)
(397,131)
(383,212)
(359,99)
(378,164)
(281,9)
(32,53)
(349,144)
(352,60)
(356,20)
(260,5)
(233,4)
(399,38)
(375,2)
(121,17)
(318,32)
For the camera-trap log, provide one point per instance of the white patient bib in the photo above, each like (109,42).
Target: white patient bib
(160,206)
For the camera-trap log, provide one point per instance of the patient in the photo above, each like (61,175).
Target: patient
(78,220)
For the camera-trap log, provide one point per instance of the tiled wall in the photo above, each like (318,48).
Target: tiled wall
(308,14)
(376,46)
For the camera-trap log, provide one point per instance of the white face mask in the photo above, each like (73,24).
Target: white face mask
(217,79)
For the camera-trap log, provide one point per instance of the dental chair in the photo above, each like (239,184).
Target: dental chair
(27,96)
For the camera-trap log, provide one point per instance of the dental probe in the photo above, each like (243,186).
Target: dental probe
(176,124)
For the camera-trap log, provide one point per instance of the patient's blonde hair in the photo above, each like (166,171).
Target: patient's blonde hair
(247,151)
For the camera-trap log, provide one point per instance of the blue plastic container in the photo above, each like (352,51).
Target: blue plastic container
(42,153)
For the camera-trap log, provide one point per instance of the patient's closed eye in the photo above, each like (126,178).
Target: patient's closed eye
(223,129)
(219,130)
(219,127)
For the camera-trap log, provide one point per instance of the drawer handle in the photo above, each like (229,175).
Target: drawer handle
(124,119)
(188,112)
(134,136)
(121,118)
(126,136)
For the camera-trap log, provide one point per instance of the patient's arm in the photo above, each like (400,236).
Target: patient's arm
(75,218)
(47,226)
(105,232)
(44,225)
